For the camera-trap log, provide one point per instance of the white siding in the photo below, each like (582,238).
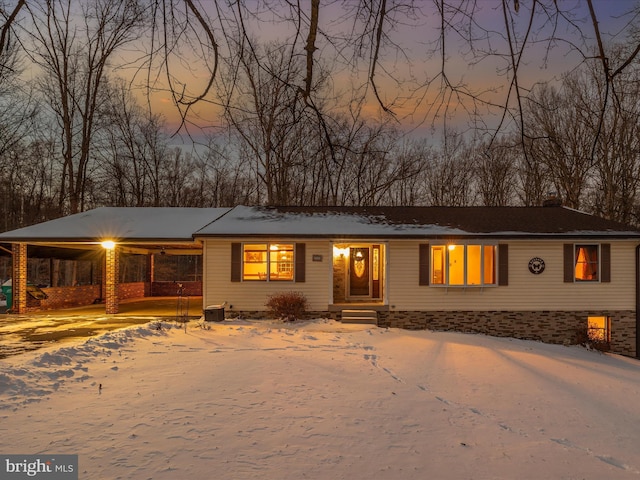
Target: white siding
(251,296)
(526,291)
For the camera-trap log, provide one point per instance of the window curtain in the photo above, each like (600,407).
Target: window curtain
(586,262)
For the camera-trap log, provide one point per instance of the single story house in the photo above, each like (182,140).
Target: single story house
(548,273)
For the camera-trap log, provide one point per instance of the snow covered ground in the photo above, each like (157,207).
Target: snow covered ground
(322,400)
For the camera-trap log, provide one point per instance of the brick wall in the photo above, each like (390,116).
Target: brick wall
(78,296)
(132,290)
(64,297)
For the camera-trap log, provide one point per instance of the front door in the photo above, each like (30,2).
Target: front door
(360,272)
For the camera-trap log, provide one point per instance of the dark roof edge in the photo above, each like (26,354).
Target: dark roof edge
(521,236)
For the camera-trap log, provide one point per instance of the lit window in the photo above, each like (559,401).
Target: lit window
(267,261)
(438,259)
(463,265)
(599,329)
(586,263)
(281,262)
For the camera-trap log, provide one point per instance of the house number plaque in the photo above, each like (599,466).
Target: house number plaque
(536,265)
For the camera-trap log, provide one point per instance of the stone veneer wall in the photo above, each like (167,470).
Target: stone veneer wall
(339,279)
(266,315)
(546,326)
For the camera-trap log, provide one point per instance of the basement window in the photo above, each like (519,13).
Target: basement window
(599,329)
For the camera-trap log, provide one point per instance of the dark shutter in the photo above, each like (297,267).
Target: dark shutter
(569,263)
(236,262)
(423,264)
(503,264)
(605,262)
(300,262)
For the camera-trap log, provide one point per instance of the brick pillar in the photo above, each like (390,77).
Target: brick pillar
(19,280)
(151,273)
(112,273)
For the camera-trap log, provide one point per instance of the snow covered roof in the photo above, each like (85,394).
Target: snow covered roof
(121,224)
(169,224)
(413,222)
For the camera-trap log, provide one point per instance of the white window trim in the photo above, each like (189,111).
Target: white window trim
(268,272)
(464,244)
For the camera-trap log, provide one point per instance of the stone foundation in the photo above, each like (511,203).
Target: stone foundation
(545,326)
(265,315)
(563,328)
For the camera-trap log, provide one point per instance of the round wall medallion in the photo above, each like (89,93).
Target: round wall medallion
(536,265)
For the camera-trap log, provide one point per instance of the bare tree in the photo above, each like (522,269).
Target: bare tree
(534,182)
(495,170)
(367,38)
(616,144)
(265,111)
(449,173)
(73,59)
(558,122)
(131,150)
(228,181)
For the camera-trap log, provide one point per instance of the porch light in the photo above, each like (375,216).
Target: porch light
(108,244)
(451,247)
(340,252)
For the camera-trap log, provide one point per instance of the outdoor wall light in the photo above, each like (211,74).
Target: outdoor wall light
(108,244)
(341,252)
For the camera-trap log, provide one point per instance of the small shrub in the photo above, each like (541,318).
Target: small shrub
(287,306)
(583,338)
(157,326)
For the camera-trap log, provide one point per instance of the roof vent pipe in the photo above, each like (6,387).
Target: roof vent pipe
(552,200)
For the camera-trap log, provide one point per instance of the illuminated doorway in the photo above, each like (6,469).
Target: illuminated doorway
(365,272)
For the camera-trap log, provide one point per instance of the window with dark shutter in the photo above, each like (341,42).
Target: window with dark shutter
(605,262)
(236,262)
(423,264)
(300,262)
(503,264)
(568,262)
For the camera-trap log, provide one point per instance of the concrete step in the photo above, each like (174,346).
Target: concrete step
(359,316)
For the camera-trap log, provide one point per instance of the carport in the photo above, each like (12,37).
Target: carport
(103,236)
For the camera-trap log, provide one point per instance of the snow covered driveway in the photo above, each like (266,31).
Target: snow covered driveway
(322,400)
(21,333)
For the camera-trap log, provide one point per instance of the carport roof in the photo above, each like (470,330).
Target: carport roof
(122,224)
